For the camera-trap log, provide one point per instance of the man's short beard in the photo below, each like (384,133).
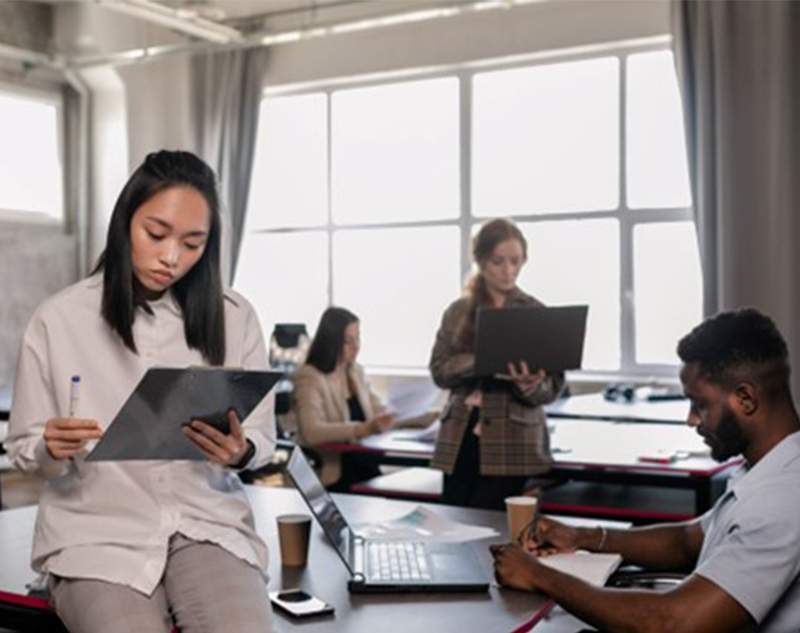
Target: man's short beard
(728,439)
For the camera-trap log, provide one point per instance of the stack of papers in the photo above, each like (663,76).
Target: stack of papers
(592,568)
(422,524)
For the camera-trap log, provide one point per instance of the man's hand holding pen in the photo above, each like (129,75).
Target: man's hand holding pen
(516,564)
(226,450)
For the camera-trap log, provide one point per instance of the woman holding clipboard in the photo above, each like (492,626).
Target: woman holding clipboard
(144,545)
(493,436)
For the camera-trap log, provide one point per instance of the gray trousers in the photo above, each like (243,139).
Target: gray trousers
(205,589)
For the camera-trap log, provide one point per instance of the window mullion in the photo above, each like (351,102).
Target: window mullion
(465,169)
(627,300)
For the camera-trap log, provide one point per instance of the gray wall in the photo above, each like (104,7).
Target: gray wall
(27,25)
(35,262)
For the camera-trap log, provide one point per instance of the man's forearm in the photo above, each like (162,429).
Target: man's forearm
(657,547)
(615,611)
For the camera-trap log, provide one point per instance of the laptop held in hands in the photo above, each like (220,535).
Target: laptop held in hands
(545,338)
(387,566)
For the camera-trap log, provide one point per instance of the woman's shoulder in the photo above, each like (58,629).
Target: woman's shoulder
(238,310)
(236,301)
(308,375)
(457,307)
(74,300)
(520,297)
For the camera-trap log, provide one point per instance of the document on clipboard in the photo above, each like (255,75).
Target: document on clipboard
(150,423)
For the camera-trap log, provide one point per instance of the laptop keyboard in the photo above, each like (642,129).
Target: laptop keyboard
(396,561)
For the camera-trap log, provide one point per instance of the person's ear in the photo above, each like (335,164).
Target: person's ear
(745,397)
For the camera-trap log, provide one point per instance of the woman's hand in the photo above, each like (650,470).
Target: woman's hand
(543,537)
(523,378)
(226,450)
(378,424)
(66,437)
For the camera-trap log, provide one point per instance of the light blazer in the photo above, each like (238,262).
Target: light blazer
(514,438)
(322,413)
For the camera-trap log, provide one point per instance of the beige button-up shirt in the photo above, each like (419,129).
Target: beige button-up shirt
(112,520)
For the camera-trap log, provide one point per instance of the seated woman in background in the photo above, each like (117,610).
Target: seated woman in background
(493,435)
(334,402)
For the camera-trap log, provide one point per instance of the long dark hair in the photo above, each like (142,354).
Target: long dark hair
(199,293)
(328,341)
(491,234)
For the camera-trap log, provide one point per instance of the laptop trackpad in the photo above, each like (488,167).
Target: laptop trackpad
(457,564)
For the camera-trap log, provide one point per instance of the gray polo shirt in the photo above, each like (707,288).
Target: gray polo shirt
(752,539)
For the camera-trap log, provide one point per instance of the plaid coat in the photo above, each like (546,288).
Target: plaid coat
(514,438)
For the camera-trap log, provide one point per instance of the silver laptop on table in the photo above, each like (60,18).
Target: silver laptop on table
(387,566)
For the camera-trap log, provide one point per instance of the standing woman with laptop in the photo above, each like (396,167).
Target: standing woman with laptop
(144,545)
(493,436)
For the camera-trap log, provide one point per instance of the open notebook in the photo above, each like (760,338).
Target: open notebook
(593,568)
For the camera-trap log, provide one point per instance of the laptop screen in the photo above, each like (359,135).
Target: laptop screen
(321,504)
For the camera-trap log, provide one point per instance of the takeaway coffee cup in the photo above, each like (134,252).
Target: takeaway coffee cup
(294,531)
(520,512)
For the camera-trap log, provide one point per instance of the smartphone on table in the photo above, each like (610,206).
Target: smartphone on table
(299,604)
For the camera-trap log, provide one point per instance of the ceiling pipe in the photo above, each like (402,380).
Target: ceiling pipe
(186,21)
(237,41)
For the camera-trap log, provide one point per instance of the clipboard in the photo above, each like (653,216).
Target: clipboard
(150,423)
(545,338)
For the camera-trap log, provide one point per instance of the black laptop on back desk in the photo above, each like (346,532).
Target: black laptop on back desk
(387,566)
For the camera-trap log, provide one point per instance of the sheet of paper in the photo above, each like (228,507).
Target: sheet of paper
(422,524)
(427,434)
(593,568)
(411,398)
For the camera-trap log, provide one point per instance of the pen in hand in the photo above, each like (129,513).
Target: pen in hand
(74,395)
(66,438)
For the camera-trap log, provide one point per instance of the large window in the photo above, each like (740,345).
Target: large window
(31,176)
(367,195)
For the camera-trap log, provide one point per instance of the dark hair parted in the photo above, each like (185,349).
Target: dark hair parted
(326,348)
(490,235)
(738,345)
(199,293)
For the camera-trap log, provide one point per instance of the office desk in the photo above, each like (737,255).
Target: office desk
(595,406)
(597,451)
(325,576)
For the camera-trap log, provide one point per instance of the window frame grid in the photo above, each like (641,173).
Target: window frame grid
(627,218)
